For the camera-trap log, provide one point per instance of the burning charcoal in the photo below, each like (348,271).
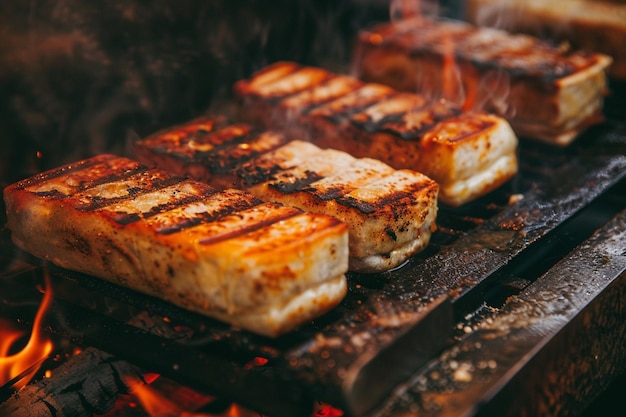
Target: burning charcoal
(86,384)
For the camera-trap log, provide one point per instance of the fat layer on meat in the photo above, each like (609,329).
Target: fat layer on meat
(547,92)
(468,153)
(261,266)
(390,213)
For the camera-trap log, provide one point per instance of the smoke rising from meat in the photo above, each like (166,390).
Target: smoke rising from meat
(490,93)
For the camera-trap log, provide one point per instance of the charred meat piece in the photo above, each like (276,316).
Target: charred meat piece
(593,25)
(547,92)
(390,213)
(468,153)
(257,265)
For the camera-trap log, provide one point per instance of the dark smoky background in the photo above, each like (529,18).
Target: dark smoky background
(79,78)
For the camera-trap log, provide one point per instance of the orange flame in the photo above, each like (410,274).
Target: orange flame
(456,84)
(37,347)
(452,86)
(156,405)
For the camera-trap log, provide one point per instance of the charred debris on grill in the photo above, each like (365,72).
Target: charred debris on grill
(529,335)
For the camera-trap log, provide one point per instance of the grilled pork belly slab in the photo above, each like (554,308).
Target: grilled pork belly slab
(468,154)
(547,92)
(390,213)
(257,265)
(594,25)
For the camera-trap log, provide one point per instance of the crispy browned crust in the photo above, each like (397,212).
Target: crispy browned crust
(547,92)
(468,153)
(586,24)
(390,213)
(226,254)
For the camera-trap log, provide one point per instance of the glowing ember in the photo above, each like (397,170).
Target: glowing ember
(36,349)
(157,404)
(257,361)
(152,402)
(325,410)
(158,401)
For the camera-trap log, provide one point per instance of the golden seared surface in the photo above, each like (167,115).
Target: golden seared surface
(585,24)
(388,211)
(546,91)
(468,153)
(223,253)
(519,55)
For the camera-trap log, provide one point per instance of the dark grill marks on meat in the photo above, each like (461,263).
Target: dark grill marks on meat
(485,48)
(124,218)
(215,206)
(426,132)
(362,206)
(128,192)
(225,254)
(405,115)
(368,195)
(226,158)
(64,170)
(221,148)
(146,181)
(84,176)
(200,137)
(255,174)
(297,184)
(324,92)
(299,80)
(279,215)
(340,110)
(546,91)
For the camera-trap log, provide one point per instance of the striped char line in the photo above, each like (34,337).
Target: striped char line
(267,75)
(244,226)
(45,176)
(135,186)
(360,198)
(294,82)
(406,115)
(459,128)
(357,100)
(162,202)
(212,209)
(371,107)
(173,212)
(127,217)
(195,141)
(487,48)
(353,187)
(71,181)
(334,87)
(165,200)
(177,135)
(226,159)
